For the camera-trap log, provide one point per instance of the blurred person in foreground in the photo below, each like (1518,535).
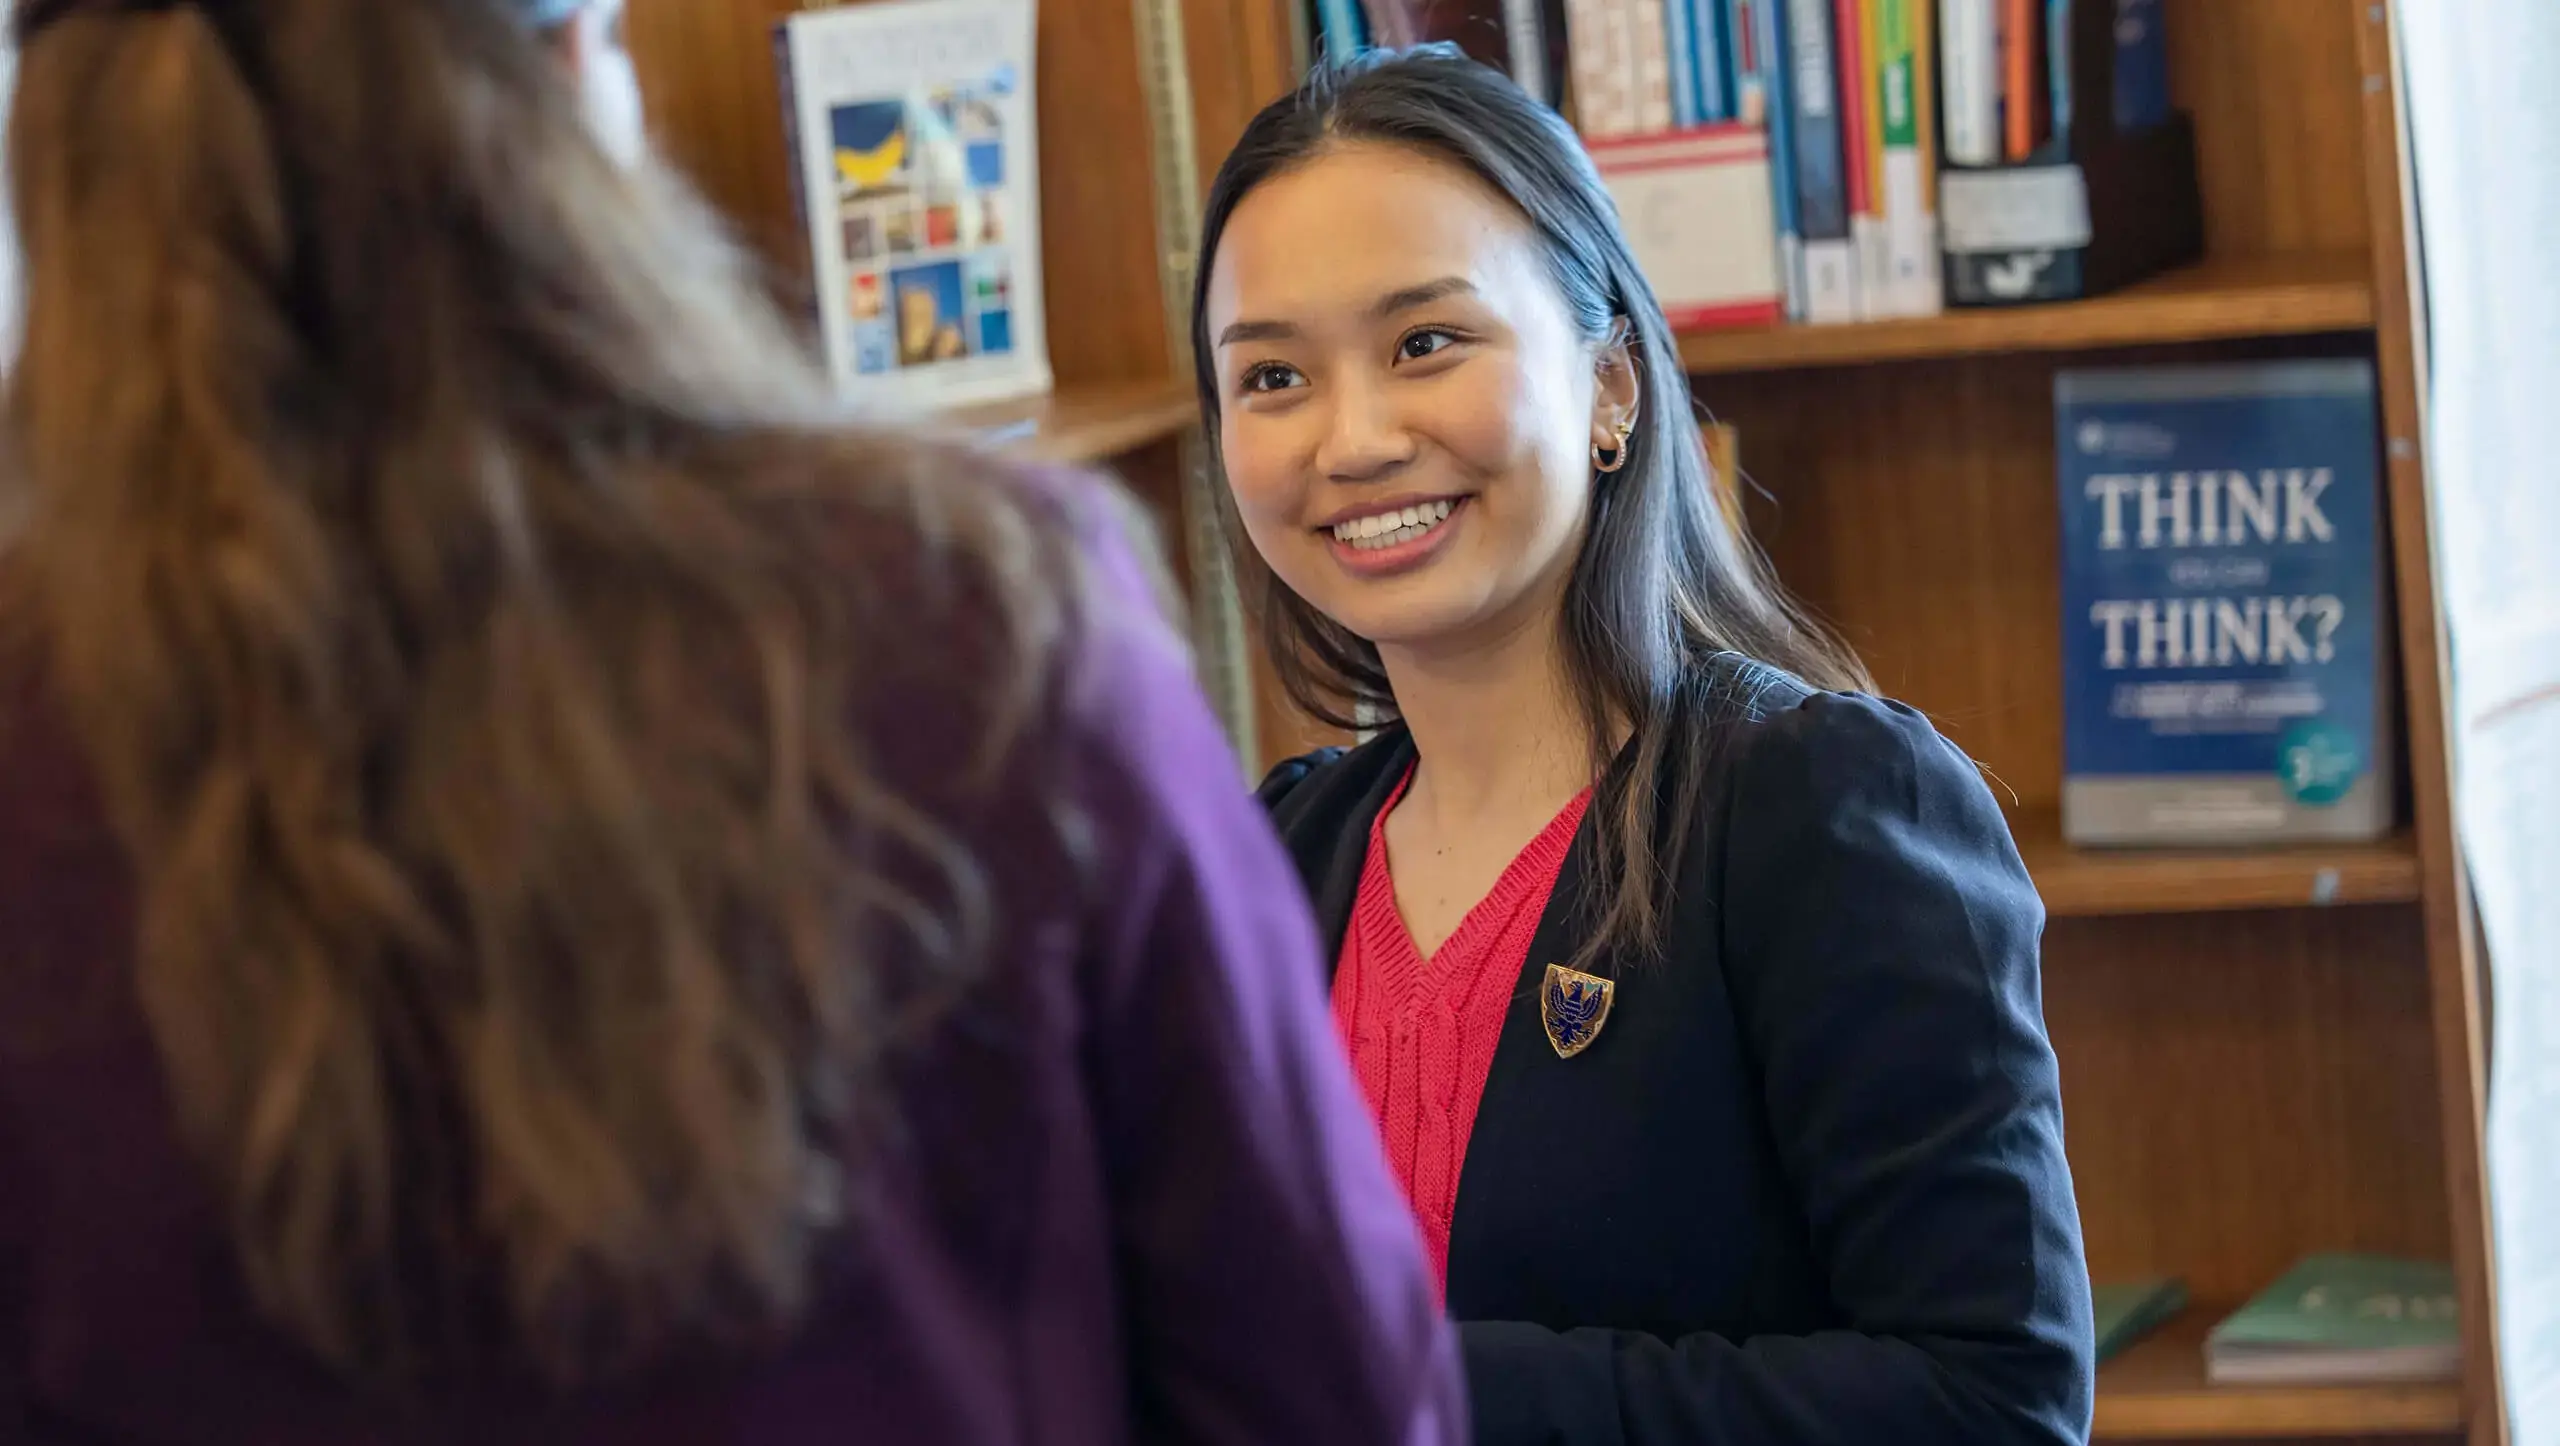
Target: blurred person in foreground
(551,888)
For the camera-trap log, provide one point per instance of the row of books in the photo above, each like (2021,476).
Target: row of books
(2338,1319)
(1845,112)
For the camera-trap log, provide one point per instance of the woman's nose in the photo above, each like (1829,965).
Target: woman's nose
(1365,436)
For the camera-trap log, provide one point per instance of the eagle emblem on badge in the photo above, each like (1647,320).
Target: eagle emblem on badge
(1574,1005)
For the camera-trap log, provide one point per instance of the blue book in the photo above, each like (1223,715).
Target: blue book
(2142,66)
(1680,46)
(1769,71)
(2224,644)
(1341,26)
(1820,166)
(2057,64)
(1729,25)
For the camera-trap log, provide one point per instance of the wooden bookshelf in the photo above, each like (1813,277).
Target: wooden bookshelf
(1086,424)
(2157,1391)
(2082,881)
(2277,294)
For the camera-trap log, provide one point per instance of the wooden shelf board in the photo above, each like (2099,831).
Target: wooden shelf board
(1085,423)
(2077,881)
(2156,1391)
(2221,298)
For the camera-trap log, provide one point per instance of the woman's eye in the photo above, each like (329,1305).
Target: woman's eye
(1271,377)
(1420,344)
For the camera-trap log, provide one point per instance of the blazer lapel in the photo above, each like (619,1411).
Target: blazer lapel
(1509,1105)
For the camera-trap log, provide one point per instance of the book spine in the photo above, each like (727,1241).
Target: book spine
(2020,72)
(1745,57)
(1523,21)
(1769,31)
(1342,26)
(1909,248)
(2057,66)
(1862,143)
(1731,55)
(1690,103)
(1821,163)
(1969,80)
(1929,294)
(1604,94)
(1643,25)
(2142,66)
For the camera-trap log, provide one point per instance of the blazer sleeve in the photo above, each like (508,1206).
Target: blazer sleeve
(1273,1285)
(1881,943)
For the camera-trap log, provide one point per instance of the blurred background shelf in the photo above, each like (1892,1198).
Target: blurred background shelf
(1086,424)
(2157,1391)
(2271,294)
(2078,881)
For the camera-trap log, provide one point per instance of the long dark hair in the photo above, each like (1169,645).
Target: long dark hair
(463,589)
(1662,581)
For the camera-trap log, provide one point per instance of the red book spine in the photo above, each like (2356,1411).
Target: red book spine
(1851,58)
(2019,57)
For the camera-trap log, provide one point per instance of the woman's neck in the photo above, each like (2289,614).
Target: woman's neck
(1495,724)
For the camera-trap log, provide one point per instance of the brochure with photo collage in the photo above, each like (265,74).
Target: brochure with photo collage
(917,165)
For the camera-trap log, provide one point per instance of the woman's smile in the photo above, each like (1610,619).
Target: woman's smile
(1393,536)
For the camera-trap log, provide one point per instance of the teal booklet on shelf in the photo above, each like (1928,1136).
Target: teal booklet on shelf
(2343,1319)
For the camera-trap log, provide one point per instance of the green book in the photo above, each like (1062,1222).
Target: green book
(2128,1310)
(2343,1318)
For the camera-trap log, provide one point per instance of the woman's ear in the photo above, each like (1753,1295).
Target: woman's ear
(1620,391)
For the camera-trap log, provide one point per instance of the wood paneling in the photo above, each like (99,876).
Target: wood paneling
(708,69)
(2277,97)
(2238,296)
(1912,507)
(2243,1089)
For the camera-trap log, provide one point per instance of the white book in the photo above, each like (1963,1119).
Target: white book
(1969,80)
(916,157)
(1831,282)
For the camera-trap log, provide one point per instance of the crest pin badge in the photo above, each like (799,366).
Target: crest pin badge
(1575,1006)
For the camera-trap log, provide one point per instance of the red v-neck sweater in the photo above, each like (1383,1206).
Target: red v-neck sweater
(1422,1033)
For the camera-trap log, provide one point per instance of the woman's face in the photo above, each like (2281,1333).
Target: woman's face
(1407,410)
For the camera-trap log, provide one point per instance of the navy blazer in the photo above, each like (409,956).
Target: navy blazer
(1808,1184)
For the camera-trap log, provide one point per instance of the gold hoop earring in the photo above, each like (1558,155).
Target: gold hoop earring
(1617,458)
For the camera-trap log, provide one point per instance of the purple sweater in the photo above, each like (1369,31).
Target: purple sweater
(1137,1197)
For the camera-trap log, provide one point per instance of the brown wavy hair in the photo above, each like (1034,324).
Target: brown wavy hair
(462,585)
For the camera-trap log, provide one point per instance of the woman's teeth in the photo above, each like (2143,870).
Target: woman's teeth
(1386,529)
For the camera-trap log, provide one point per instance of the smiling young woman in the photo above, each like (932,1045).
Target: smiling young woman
(1694,987)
